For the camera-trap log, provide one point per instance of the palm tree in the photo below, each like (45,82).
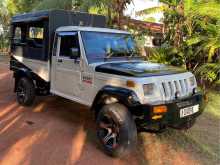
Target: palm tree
(113,8)
(191,26)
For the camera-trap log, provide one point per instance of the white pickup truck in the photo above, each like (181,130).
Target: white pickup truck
(100,68)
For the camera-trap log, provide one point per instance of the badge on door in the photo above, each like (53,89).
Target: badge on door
(87,78)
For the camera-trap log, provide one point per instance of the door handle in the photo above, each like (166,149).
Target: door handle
(59,60)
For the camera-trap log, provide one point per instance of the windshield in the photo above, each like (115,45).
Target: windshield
(100,46)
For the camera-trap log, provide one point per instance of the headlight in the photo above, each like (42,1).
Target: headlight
(192,81)
(148,89)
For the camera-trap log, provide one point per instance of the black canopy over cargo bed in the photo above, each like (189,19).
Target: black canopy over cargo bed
(34,32)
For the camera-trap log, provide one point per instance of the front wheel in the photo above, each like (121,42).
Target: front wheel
(116,129)
(25,92)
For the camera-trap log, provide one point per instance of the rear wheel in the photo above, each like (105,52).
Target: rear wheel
(116,129)
(25,92)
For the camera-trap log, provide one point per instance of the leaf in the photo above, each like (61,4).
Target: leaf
(193,41)
(151,10)
(210,9)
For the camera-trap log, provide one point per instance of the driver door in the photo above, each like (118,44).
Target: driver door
(66,69)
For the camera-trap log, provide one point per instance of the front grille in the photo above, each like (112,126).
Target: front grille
(169,88)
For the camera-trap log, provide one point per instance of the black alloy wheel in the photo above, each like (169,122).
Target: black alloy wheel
(25,92)
(116,130)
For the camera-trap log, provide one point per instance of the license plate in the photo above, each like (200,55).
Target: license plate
(189,111)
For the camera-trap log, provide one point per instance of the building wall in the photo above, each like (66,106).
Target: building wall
(138,5)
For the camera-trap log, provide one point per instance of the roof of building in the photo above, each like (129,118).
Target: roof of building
(153,27)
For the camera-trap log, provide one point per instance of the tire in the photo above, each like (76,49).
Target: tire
(25,92)
(116,130)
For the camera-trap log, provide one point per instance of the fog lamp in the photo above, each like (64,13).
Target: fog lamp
(177,94)
(195,90)
(155,117)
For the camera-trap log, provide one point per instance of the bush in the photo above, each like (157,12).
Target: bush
(217,85)
(208,74)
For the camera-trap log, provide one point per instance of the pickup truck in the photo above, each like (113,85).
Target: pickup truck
(73,55)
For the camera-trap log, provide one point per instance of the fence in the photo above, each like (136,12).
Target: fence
(4,53)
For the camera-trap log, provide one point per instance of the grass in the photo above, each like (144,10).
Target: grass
(213,106)
(198,145)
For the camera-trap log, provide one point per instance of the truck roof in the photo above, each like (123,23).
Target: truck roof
(89,28)
(50,21)
(49,14)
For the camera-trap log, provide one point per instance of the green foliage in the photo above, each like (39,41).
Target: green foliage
(210,73)
(158,55)
(150,19)
(192,30)
(217,83)
(54,4)
(113,9)
(167,55)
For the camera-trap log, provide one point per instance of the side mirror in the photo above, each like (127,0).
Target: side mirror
(74,53)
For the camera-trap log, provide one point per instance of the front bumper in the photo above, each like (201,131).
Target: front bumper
(172,117)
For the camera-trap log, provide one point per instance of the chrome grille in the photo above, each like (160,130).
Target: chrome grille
(169,88)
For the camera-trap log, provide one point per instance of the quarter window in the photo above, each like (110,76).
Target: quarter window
(36,33)
(17,35)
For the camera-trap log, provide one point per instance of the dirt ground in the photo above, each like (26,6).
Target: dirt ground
(55,131)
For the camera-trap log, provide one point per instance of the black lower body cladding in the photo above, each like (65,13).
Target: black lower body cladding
(171,118)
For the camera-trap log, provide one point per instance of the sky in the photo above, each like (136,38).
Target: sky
(138,5)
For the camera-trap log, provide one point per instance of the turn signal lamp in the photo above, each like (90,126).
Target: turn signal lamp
(130,84)
(160,109)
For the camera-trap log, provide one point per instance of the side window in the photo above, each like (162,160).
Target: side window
(35,37)
(36,33)
(69,43)
(17,35)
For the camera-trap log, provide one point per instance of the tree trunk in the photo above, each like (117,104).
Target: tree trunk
(120,16)
(109,16)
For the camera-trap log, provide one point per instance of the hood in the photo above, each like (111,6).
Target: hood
(138,69)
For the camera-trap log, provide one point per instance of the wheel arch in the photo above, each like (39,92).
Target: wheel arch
(111,94)
(20,73)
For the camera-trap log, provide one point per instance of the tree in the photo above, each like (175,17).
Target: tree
(191,29)
(56,4)
(5,15)
(111,8)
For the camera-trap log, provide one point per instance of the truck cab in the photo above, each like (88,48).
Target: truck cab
(102,69)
